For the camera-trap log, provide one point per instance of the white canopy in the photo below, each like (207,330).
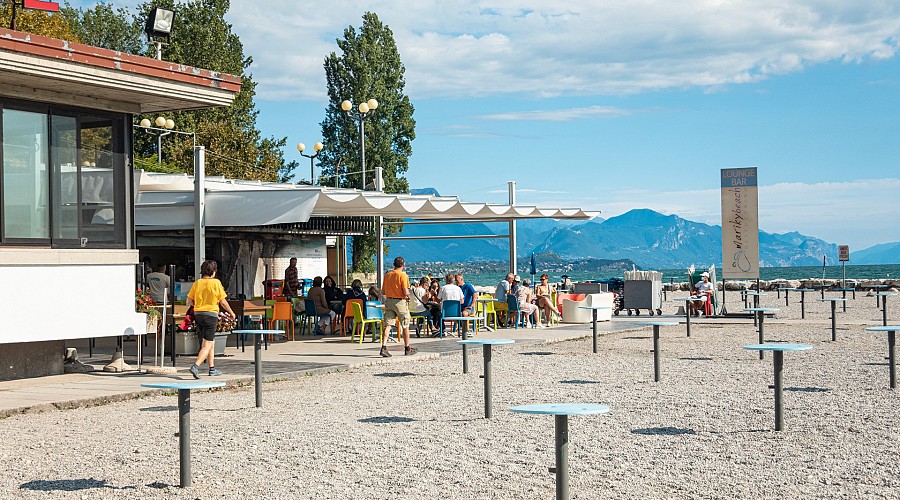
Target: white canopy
(165,201)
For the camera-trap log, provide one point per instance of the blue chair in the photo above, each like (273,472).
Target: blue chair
(374,312)
(449,308)
(512,304)
(311,318)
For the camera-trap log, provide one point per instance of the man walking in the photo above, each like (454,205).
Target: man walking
(396,305)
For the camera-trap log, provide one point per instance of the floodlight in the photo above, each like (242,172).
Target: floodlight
(159,22)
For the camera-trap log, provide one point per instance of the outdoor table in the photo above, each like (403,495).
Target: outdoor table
(778,357)
(760,313)
(891,331)
(257,357)
(834,302)
(884,296)
(465,335)
(656,325)
(875,289)
(803,300)
(786,290)
(486,349)
(184,421)
(687,311)
(844,295)
(484,307)
(561,413)
(756,296)
(594,320)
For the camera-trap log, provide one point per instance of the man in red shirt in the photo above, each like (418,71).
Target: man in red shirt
(396,305)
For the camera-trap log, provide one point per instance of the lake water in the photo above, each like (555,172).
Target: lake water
(765,274)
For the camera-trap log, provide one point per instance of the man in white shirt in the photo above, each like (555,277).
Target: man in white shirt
(451,291)
(157,283)
(702,289)
(500,294)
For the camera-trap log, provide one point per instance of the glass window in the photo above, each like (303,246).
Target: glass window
(26,187)
(99,169)
(64,159)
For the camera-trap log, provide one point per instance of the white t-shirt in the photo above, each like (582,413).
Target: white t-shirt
(502,290)
(417,301)
(157,283)
(703,286)
(451,292)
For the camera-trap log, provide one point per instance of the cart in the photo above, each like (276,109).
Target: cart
(642,290)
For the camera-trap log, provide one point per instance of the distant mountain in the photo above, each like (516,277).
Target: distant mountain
(650,239)
(885,253)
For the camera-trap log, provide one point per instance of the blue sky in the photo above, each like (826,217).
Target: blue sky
(622,105)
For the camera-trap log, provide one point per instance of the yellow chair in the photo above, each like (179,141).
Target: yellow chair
(348,316)
(283,311)
(359,323)
(488,310)
(554,318)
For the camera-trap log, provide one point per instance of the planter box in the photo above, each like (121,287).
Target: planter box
(188,343)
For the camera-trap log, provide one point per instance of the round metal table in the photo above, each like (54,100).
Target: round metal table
(656,325)
(834,302)
(257,357)
(760,313)
(891,331)
(594,320)
(486,349)
(778,360)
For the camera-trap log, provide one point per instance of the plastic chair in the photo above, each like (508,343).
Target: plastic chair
(283,311)
(311,318)
(348,315)
(554,318)
(449,308)
(360,322)
(420,320)
(487,310)
(512,303)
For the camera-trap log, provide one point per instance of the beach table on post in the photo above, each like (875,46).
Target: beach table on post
(844,295)
(561,414)
(760,314)
(884,296)
(803,300)
(834,302)
(486,349)
(786,290)
(656,325)
(594,310)
(687,311)
(257,357)
(756,296)
(876,288)
(891,331)
(465,336)
(778,361)
(484,303)
(184,421)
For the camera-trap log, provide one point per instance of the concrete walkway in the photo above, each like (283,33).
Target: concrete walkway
(282,360)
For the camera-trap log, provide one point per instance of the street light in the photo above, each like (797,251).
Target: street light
(163,127)
(366,111)
(318,147)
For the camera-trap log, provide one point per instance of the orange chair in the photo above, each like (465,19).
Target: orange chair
(348,315)
(281,298)
(283,311)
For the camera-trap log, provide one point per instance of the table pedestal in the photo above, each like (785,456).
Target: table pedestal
(778,356)
(488,399)
(257,368)
(595,329)
(802,305)
(688,318)
(656,370)
(891,360)
(762,336)
(184,437)
(884,310)
(465,350)
(562,457)
(833,321)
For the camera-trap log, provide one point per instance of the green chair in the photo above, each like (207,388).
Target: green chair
(360,322)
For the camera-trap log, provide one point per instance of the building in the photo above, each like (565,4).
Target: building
(67,247)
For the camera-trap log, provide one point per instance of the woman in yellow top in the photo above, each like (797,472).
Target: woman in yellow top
(207,295)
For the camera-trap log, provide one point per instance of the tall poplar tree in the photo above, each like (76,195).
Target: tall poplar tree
(368,67)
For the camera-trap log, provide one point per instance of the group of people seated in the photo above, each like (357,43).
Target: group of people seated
(540,298)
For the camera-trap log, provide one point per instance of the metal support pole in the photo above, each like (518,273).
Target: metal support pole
(594,326)
(656,376)
(786,292)
(199,208)
(465,348)
(488,399)
(184,437)
(257,368)
(779,389)
(687,310)
(512,228)
(162,355)
(802,304)
(884,310)
(562,457)
(833,321)
(891,360)
(762,337)
(362,148)
(844,296)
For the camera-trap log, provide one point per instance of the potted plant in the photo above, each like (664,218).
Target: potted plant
(143,303)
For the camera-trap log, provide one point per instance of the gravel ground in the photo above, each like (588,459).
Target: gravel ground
(414,430)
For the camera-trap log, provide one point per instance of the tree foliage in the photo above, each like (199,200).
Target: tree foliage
(103,26)
(38,22)
(368,67)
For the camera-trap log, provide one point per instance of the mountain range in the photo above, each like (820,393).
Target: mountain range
(651,239)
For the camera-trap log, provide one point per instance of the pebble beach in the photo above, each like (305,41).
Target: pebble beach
(415,429)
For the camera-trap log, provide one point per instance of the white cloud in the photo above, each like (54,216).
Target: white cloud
(860,213)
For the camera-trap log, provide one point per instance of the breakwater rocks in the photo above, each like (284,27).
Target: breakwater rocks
(891,285)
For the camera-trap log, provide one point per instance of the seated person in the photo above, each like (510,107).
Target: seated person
(323,312)
(703,289)
(334,295)
(418,304)
(543,294)
(526,296)
(356,292)
(503,288)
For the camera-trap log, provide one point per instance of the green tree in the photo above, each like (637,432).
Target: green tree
(103,26)
(38,22)
(368,67)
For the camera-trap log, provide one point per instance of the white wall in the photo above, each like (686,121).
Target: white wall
(57,302)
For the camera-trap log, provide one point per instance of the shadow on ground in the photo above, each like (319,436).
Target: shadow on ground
(69,485)
(386,420)
(662,431)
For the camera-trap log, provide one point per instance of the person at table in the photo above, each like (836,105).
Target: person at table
(334,295)
(703,289)
(503,288)
(375,294)
(396,305)
(207,296)
(543,297)
(291,287)
(467,308)
(526,300)
(158,282)
(433,302)
(356,292)
(324,314)
(566,283)
(418,303)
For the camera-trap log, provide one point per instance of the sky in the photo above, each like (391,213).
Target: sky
(613,106)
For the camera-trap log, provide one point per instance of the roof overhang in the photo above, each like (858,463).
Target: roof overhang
(45,69)
(166,201)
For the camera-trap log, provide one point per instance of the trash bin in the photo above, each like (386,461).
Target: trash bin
(643,290)
(273,288)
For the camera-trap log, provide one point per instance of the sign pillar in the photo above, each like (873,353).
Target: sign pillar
(740,223)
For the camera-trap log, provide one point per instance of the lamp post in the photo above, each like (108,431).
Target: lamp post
(164,127)
(366,111)
(318,147)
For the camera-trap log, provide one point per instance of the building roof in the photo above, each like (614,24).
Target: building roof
(39,68)
(165,201)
